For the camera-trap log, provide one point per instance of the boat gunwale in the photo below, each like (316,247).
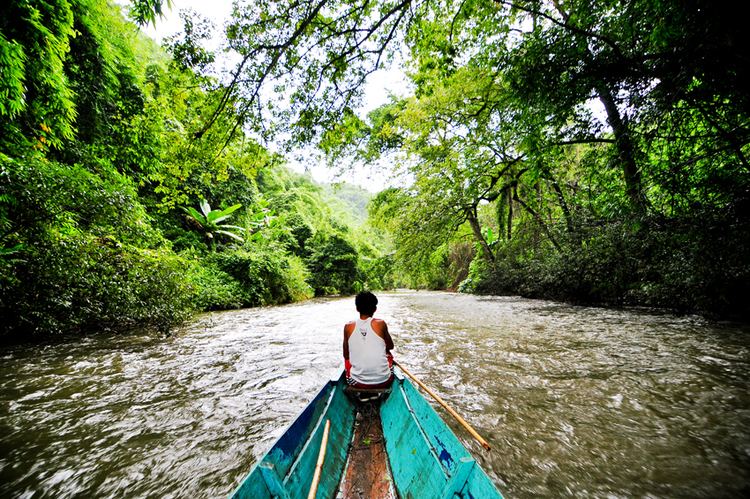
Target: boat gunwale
(462,472)
(467,475)
(332,383)
(425,437)
(314,429)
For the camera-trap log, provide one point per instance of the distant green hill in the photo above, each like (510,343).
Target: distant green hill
(352,199)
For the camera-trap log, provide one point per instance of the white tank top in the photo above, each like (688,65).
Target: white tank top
(367,354)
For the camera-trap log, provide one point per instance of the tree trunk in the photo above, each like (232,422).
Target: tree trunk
(510,214)
(623,141)
(471,216)
(563,204)
(625,148)
(538,219)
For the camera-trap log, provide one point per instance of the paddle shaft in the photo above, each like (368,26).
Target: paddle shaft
(440,401)
(321,458)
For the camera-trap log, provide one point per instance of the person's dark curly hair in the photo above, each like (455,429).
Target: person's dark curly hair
(366,303)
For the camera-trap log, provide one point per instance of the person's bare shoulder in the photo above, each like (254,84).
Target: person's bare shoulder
(379,325)
(349,327)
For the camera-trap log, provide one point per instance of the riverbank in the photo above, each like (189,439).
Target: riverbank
(689,265)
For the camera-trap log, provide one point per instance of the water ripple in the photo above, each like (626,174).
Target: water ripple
(576,401)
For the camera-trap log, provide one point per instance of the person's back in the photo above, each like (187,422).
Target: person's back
(367,346)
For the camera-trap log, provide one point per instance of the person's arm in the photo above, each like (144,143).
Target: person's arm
(387,338)
(347,364)
(381,329)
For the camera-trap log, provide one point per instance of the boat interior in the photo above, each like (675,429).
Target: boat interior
(382,444)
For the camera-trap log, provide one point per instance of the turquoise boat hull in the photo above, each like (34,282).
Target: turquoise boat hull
(424,457)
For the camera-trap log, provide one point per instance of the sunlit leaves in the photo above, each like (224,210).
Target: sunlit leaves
(34,42)
(12,64)
(186,48)
(320,51)
(146,11)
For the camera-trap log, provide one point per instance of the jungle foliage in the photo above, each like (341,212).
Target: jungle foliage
(119,209)
(594,151)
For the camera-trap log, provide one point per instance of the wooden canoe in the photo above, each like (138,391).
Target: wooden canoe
(398,448)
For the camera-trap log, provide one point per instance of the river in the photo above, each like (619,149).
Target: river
(576,401)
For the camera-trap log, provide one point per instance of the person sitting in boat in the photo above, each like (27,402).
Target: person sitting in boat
(367,347)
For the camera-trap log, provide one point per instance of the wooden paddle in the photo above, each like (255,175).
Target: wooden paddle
(440,401)
(321,458)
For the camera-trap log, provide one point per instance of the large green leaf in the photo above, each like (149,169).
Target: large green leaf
(219,215)
(205,208)
(195,215)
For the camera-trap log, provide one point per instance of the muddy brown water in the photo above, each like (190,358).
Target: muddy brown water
(576,401)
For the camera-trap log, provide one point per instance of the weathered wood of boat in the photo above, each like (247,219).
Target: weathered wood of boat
(400,449)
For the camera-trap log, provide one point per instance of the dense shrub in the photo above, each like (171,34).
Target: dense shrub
(333,264)
(214,288)
(299,232)
(82,283)
(266,277)
(697,263)
(378,273)
(38,194)
(79,254)
(297,276)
